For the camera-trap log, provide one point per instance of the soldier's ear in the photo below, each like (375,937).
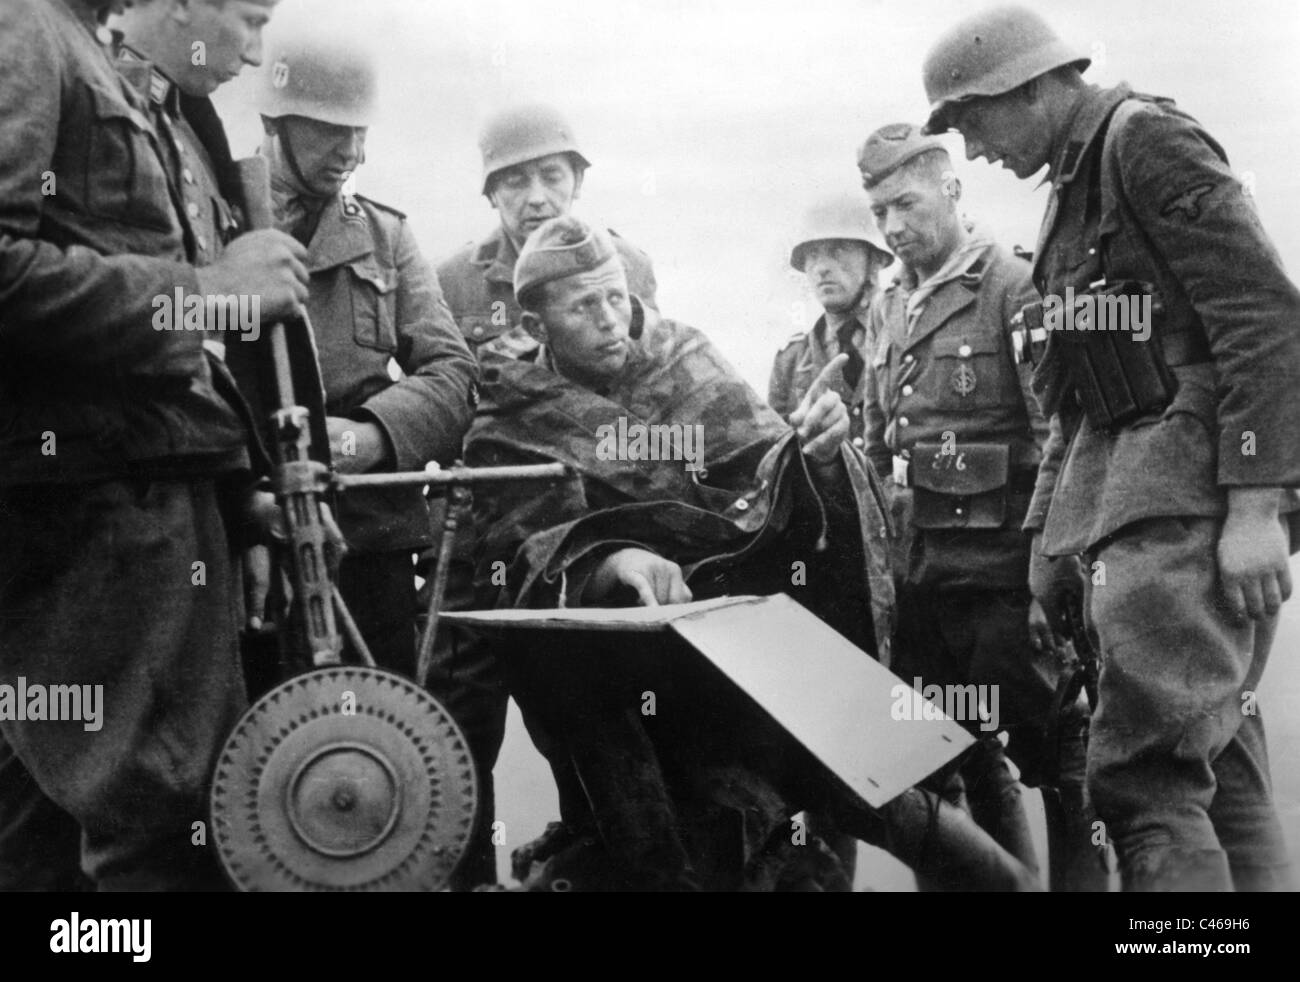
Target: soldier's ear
(577,182)
(533,325)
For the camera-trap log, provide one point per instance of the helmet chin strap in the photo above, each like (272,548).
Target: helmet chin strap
(291,158)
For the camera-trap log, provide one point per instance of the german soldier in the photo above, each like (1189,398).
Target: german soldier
(951,420)
(622,531)
(1167,347)
(840,253)
(124,463)
(532,171)
(373,300)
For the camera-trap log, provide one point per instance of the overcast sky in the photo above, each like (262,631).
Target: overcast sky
(711,124)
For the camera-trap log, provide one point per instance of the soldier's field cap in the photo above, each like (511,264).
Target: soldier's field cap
(558,248)
(889,148)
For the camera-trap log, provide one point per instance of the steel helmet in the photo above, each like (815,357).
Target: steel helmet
(988,54)
(330,81)
(840,216)
(522,133)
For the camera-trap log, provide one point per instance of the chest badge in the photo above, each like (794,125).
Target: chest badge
(963,380)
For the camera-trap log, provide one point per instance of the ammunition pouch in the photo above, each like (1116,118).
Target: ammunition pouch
(1118,376)
(966,488)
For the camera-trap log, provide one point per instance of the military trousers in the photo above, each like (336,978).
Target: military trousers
(950,637)
(1177,763)
(40,843)
(129,585)
(379,590)
(466,679)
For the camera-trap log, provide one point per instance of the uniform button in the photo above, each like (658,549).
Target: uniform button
(742,505)
(907,390)
(957,510)
(903,421)
(188,175)
(192,210)
(858,441)
(477,331)
(964,351)
(857,410)
(908,359)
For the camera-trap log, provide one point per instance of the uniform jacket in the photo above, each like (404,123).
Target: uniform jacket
(797,366)
(479,284)
(204,181)
(373,298)
(955,373)
(755,483)
(1177,217)
(80,267)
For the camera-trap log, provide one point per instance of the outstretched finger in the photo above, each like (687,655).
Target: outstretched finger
(826,378)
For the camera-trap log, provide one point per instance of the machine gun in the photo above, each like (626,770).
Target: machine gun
(341,777)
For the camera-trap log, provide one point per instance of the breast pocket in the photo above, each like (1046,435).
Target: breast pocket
(374,305)
(124,176)
(965,375)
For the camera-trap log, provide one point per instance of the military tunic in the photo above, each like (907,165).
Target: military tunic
(373,300)
(954,374)
(1178,772)
(799,362)
(103,530)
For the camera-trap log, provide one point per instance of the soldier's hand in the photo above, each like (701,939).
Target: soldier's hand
(267,264)
(1252,554)
(652,578)
(356,446)
(1042,636)
(821,421)
(257,584)
(265,523)
(1052,582)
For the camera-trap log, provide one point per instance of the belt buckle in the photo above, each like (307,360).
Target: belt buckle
(901,465)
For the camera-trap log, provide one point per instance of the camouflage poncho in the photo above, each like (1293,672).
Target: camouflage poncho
(753,486)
